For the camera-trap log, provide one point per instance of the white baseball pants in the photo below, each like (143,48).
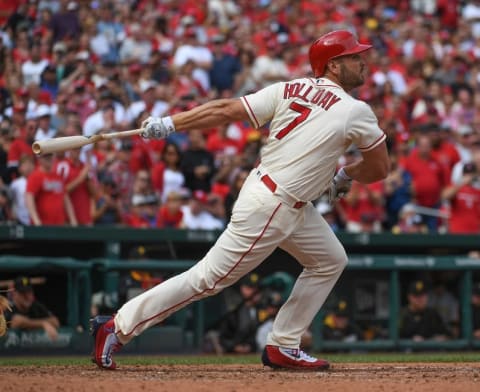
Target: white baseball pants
(261,221)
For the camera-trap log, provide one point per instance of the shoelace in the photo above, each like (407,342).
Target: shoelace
(303,355)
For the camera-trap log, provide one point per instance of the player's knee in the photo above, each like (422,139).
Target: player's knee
(340,259)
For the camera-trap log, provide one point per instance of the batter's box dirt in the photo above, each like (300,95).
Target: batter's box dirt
(366,377)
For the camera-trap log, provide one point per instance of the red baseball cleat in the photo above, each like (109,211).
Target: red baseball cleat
(102,328)
(291,358)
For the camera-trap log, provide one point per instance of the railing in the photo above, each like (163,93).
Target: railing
(79,283)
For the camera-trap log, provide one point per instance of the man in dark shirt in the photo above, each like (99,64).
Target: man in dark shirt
(476,310)
(238,330)
(418,321)
(198,164)
(27,313)
(339,326)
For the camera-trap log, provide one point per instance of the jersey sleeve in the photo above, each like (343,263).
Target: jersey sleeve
(261,105)
(363,129)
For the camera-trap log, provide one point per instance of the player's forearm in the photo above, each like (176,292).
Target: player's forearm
(23,322)
(210,114)
(70,211)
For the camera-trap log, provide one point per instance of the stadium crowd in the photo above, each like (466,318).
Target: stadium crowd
(87,67)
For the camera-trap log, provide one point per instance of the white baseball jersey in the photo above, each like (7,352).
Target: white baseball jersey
(313,122)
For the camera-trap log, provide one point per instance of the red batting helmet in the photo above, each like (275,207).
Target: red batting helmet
(331,45)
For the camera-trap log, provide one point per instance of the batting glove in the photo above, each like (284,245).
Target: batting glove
(339,186)
(157,127)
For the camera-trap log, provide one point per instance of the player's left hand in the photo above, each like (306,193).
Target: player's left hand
(339,187)
(155,128)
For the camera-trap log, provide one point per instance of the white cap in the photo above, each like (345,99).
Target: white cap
(464,129)
(147,84)
(42,110)
(83,55)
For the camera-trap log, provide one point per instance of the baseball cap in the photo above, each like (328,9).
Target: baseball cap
(341,308)
(138,252)
(250,280)
(42,111)
(142,200)
(417,287)
(200,196)
(147,85)
(22,284)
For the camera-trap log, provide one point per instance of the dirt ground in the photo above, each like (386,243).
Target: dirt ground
(448,377)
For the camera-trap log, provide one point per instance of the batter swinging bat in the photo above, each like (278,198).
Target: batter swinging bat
(64,143)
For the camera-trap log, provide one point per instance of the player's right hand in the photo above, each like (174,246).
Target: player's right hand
(155,128)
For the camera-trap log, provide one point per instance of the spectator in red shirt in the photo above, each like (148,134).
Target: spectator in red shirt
(170,214)
(21,144)
(143,211)
(464,199)
(47,201)
(443,148)
(79,184)
(364,205)
(428,175)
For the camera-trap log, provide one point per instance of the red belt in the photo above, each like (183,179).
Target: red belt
(270,184)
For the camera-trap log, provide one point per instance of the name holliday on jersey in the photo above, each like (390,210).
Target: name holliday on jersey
(320,97)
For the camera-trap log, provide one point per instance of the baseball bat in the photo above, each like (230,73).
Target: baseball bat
(64,143)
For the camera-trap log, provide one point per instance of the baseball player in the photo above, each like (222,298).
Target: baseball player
(312,122)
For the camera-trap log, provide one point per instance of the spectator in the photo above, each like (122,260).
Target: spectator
(43,116)
(142,213)
(18,189)
(237,331)
(33,68)
(196,215)
(475,298)
(47,201)
(428,175)
(21,144)
(464,202)
(398,191)
(269,67)
(198,164)
(6,213)
(28,313)
(136,47)
(79,184)
(148,101)
(65,23)
(409,221)
(225,67)
(445,303)
(269,307)
(166,174)
(109,116)
(191,50)
(108,206)
(49,80)
(338,325)
(364,205)
(418,321)
(232,195)
(170,214)
(109,34)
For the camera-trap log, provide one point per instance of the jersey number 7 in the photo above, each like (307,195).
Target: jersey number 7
(303,114)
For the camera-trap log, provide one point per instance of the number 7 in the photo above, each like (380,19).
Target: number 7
(304,113)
